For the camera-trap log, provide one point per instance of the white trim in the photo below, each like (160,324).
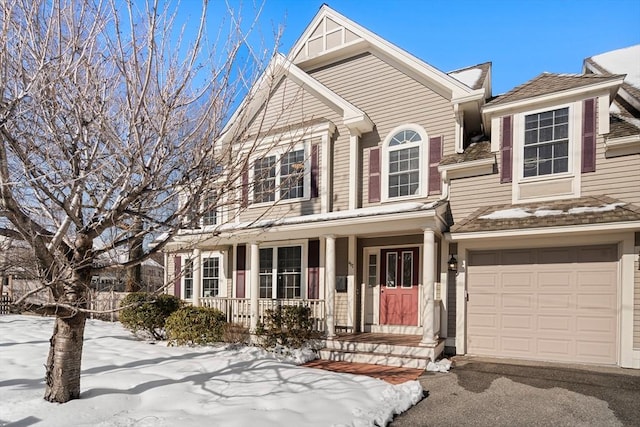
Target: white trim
(603,114)
(625,307)
(467,169)
(545,231)
(354,161)
(352,259)
(423,175)
(326,173)
(557,96)
(622,146)
(574,151)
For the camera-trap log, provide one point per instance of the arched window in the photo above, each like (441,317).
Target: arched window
(403,162)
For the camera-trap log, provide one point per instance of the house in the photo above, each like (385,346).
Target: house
(413,211)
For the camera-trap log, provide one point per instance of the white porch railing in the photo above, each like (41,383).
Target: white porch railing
(238,310)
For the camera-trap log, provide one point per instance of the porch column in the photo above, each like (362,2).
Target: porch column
(255,285)
(428,279)
(330,283)
(197,278)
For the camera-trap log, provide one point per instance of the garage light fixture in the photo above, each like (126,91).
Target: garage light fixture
(453,263)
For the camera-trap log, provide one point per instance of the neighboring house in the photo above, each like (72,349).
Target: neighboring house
(396,199)
(113,278)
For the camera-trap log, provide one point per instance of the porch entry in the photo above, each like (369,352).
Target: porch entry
(399,288)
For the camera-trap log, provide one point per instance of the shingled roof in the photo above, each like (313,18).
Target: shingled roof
(581,211)
(620,127)
(462,74)
(475,151)
(547,83)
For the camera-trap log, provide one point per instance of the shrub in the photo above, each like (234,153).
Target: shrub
(195,326)
(234,333)
(144,312)
(289,326)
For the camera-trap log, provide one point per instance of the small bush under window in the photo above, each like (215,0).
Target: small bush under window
(147,313)
(195,326)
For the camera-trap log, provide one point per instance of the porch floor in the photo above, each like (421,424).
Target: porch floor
(389,374)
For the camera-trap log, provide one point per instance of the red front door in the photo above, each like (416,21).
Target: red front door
(399,287)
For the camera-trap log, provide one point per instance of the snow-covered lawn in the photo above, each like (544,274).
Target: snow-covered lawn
(126,382)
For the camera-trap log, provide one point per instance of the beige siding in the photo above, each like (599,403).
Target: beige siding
(616,177)
(341,171)
(390,98)
(290,105)
(465,196)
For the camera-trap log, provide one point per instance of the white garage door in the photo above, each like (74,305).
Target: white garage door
(555,304)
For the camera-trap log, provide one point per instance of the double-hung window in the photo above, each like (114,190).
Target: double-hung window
(281,266)
(283,175)
(264,178)
(210,215)
(403,164)
(187,279)
(292,175)
(546,143)
(210,277)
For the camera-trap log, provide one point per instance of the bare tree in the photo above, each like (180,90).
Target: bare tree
(110,119)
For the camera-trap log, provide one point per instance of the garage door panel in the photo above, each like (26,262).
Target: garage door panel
(484,320)
(596,302)
(486,302)
(555,348)
(514,322)
(548,302)
(597,280)
(543,304)
(517,280)
(556,325)
(595,325)
(555,280)
(594,351)
(517,302)
(516,345)
(485,282)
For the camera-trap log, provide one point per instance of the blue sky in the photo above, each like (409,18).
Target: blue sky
(521,38)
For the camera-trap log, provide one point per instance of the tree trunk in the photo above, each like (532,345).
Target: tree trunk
(65,357)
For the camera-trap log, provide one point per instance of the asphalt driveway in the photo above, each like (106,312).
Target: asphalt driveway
(485,392)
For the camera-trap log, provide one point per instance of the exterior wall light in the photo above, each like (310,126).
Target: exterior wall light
(453,263)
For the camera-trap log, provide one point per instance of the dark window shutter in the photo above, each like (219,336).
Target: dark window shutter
(245,189)
(506,150)
(314,171)
(435,155)
(177,273)
(241,273)
(313,290)
(589,136)
(374,175)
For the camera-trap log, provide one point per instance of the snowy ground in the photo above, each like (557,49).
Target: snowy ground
(126,382)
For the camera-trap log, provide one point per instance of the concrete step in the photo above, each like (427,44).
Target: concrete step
(379,348)
(374,358)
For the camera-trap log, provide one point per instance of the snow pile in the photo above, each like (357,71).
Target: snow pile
(442,365)
(515,213)
(126,382)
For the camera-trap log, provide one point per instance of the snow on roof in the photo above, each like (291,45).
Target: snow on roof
(622,61)
(515,213)
(615,109)
(469,76)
